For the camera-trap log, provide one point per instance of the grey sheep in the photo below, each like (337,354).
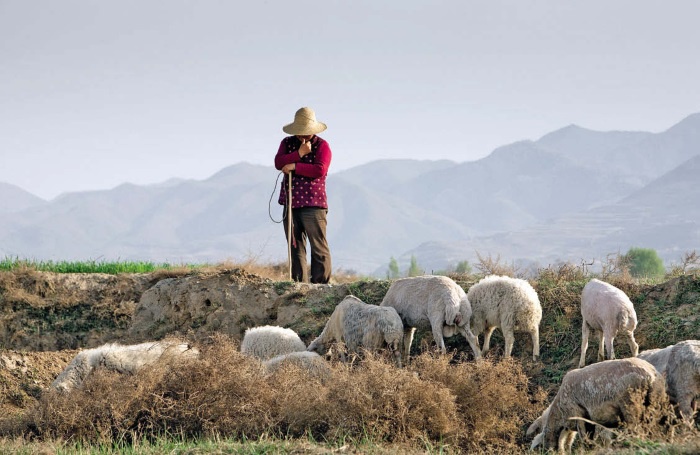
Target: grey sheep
(361,325)
(680,363)
(510,304)
(604,393)
(266,342)
(119,358)
(434,302)
(608,311)
(313,363)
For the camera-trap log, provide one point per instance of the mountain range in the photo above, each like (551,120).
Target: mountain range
(572,195)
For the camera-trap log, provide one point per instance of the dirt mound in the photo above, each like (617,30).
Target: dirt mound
(46,318)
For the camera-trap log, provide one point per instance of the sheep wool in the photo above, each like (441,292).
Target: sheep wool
(311,362)
(510,304)
(607,310)
(266,342)
(605,393)
(361,325)
(680,364)
(126,359)
(431,302)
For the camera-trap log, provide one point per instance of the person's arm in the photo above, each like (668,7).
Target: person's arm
(319,167)
(283,158)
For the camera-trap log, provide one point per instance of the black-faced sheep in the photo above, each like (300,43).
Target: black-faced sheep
(680,363)
(119,358)
(361,325)
(606,393)
(266,342)
(608,311)
(434,302)
(510,304)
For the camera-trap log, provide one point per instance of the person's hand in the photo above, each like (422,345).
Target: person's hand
(305,148)
(287,168)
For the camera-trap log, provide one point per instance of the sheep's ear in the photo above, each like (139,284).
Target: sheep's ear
(458,319)
(537,441)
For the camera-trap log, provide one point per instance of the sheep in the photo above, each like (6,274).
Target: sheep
(431,301)
(510,304)
(309,361)
(605,393)
(268,341)
(118,358)
(657,357)
(607,310)
(358,324)
(680,363)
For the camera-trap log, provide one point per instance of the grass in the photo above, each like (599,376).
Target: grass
(91,266)
(173,445)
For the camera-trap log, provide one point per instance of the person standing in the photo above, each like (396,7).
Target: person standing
(305,157)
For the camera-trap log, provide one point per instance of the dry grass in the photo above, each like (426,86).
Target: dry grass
(470,406)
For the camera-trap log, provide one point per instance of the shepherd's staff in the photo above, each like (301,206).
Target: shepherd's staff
(289,223)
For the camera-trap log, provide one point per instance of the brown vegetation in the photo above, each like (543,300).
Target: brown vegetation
(447,401)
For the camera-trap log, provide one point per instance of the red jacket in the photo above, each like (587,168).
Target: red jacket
(309,181)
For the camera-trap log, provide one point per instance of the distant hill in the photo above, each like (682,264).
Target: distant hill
(664,215)
(15,199)
(574,193)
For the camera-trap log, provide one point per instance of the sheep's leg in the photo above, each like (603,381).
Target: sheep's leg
(535,344)
(471,339)
(487,339)
(634,347)
(585,332)
(608,346)
(407,340)
(685,406)
(509,338)
(601,346)
(437,334)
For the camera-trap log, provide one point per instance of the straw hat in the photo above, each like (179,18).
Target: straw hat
(304,123)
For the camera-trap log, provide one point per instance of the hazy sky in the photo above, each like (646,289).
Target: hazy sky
(98,93)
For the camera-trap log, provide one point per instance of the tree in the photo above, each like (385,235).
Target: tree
(393,271)
(414,269)
(644,262)
(463,267)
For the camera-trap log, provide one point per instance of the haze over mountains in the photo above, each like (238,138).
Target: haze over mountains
(572,195)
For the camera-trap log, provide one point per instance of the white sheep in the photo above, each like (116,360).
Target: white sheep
(657,357)
(605,393)
(118,358)
(510,304)
(361,325)
(680,363)
(608,311)
(434,302)
(313,363)
(266,342)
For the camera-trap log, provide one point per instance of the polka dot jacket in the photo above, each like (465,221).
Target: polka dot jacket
(309,181)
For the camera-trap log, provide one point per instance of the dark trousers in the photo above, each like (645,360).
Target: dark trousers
(309,223)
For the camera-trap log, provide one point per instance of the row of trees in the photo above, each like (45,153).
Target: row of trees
(415,270)
(641,263)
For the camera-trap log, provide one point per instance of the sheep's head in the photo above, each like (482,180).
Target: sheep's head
(317,346)
(396,347)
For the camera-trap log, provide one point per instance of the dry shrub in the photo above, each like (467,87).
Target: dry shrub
(489,265)
(491,397)
(222,390)
(225,393)
(689,265)
(388,404)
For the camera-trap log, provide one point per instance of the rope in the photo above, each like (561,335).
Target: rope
(269,205)
(288,211)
